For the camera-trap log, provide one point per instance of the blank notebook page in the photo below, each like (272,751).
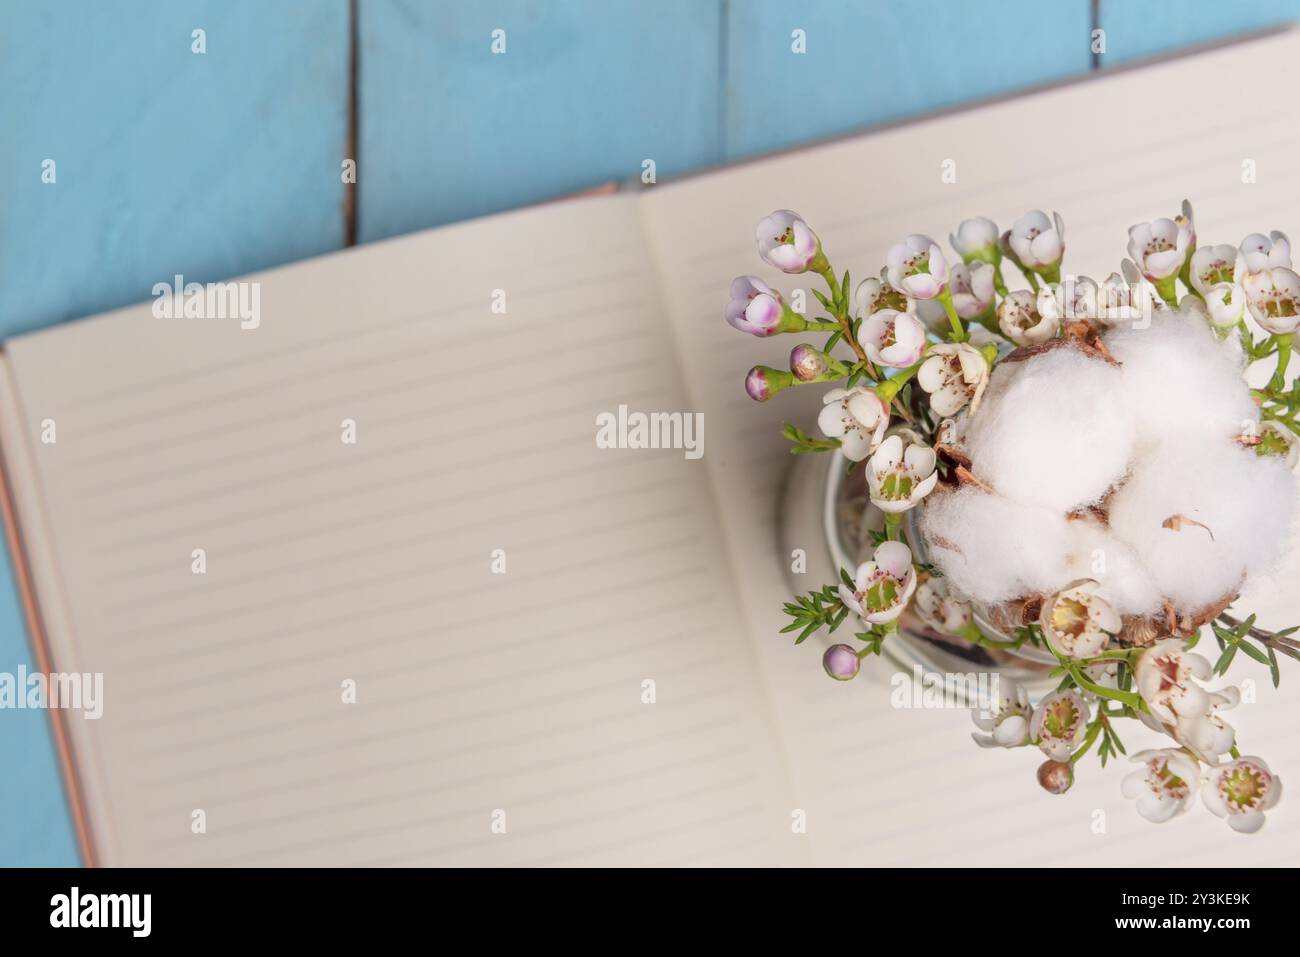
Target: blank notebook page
(482,699)
(886,786)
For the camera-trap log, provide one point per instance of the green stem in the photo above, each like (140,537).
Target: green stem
(958,331)
(893,521)
(1167,291)
(976,637)
(1115,655)
(890,388)
(1114,694)
(1284,344)
(828,274)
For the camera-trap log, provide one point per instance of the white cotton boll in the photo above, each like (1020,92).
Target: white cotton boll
(1096,553)
(1181,382)
(1052,430)
(993,549)
(1245,502)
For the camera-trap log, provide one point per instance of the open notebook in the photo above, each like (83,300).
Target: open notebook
(524,692)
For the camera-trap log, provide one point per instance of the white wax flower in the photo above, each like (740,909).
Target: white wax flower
(897,477)
(1007,726)
(954,374)
(873,295)
(1259,252)
(1165,785)
(1074,297)
(1207,735)
(972,289)
(1277,441)
(1022,323)
(892,339)
(856,417)
(1212,266)
(1273,296)
(1168,677)
(1161,247)
(1077,621)
(1037,241)
(883,585)
(1127,297)
(787,242)
(917,267)
(1241,792)
(1059,724)
(940,608)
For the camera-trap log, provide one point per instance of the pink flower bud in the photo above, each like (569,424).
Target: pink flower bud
(755,307)
(763,382)
(1056,776)
(841,662)
(807,363)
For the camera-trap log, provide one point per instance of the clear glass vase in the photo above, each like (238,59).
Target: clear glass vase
(826,512)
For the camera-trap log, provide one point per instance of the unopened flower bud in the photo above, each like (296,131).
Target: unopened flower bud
(841,662)
(763,382)
(810,364)
(977,239)
(1056,776)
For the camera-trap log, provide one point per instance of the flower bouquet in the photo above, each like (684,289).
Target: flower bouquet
(1076,471)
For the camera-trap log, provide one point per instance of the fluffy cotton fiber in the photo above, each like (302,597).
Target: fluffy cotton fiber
(1203,516)
(969,536)
(1104,472)
(1098,553)
(1181,382)
(1059,433)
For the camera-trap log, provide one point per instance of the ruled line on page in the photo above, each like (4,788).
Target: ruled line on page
(665,727)
(260,575)
(373,328)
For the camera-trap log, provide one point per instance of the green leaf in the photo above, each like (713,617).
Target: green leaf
(1253,651)
(1225,660)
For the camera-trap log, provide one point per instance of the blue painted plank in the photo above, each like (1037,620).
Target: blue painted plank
(871,62)
(584,92)
(1139,28)
(167,161)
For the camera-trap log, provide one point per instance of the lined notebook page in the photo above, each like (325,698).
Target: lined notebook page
(476,693)
(885,786)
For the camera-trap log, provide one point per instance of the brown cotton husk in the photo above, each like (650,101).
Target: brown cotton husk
(1095,513)
(1188,624)
(1176,522)
(1138,631)
(1082,339)
(966,477)
(1007,616)
(1184,626)
(953,454)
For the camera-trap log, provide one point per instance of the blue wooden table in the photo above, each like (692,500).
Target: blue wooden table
(167,159)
